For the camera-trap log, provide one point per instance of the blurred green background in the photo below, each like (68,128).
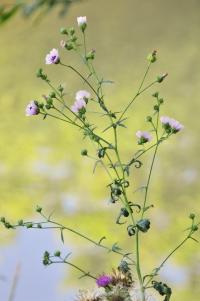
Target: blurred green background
(40,161)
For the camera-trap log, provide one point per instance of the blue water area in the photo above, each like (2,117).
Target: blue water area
(34,281)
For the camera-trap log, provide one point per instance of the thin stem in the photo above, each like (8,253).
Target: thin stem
(170,254)
(88,274)
(138,266)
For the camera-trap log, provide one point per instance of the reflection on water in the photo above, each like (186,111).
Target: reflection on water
(34,282)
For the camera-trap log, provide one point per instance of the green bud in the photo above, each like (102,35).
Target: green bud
(48,107)
(195,228)
(152,57)
(60,88)
(38,209)
(69,46)
(131,230)
(46,260)
(192,215)
(155,94)
(124,212)
(101,152)
(39,72)
(21,222)
(49,101)
(29,225)
(57,253)
(84,152)
(8,225)
(143,225)
(63,30)
(3,220)
(149,119)
(161,78)
(39,226)
(52,94)
(160,101)
(156,108)
(90,55)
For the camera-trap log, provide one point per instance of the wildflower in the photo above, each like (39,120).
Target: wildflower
(171,125)
(82,95)
(32,108)
(52,57)
(82,23)
(104,280)
(79,105)
(143,137)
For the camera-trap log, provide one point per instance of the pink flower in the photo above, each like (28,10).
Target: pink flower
(78,105)
(171,125)
(143,137)
(104,280)
(82,94)
(32,109)
(52,57)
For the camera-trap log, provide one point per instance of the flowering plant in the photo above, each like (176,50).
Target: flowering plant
(127,282)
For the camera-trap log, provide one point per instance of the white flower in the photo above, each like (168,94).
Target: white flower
(82,94)
(82,21)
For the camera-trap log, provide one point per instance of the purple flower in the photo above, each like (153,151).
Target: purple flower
(143,137)
(78,105)
(32,108)
(171,125)
(104,280)
(82,94)
(52,57)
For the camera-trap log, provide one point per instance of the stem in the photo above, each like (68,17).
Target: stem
(138,266)
(170,254)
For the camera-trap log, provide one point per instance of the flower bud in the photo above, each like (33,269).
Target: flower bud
(149,119)
(57,253)
(52,94)
(156,108)
(69,46)
(29,225)
(90,55)
(124,212)
(195,228)
(84,152)
(192,215)
(38,209)
(3,220)
(131,230)
(155,94)
(101,152)
(63,30)
(161,78)
(143,225)
(160,101)
(152,57)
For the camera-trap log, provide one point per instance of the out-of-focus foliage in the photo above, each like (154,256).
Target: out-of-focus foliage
(8,10)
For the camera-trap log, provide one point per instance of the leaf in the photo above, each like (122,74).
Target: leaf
(115,247)
(61,234)
(7,14)
(101,239)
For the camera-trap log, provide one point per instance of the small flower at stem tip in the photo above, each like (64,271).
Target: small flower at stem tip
(143,137)
(52,57)
(82,22)
(32,108)
(103,280)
